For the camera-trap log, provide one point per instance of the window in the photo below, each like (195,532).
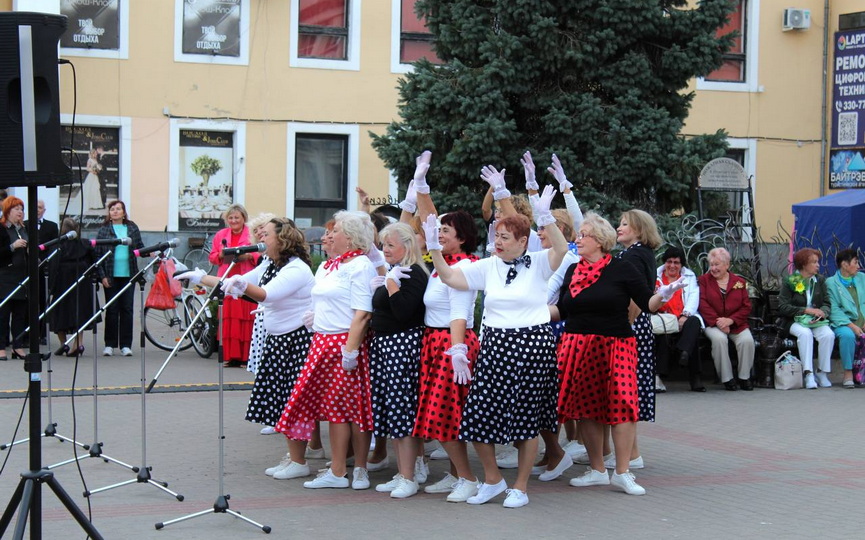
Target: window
(326,34)
(733,68)
(95,29)
(738,73)
(410,38)
(212,32)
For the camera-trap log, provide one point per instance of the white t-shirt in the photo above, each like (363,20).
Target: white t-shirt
(520,304)
(338,294)
(445,304)
(555,282)
(289,295)
(534,243)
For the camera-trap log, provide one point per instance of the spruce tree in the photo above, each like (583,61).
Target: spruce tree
(601,83)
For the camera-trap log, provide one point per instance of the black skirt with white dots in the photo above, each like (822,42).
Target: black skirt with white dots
(394,367)
(281,361)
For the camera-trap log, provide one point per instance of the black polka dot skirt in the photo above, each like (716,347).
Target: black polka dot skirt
(394,364)
(515,388)
(256,347)
(645,366)
(280,363)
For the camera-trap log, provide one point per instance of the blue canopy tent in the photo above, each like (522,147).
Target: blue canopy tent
(831,223)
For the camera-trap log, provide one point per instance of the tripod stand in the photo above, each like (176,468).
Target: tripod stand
(221,505)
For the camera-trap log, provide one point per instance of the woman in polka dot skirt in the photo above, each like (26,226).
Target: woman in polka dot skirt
(334,382)
(597,355)
(394,350)
(513,390)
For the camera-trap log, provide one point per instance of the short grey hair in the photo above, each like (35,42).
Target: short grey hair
(358,227)
(721,254)
(601,230)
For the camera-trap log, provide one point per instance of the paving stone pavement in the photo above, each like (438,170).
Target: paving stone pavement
(762,464)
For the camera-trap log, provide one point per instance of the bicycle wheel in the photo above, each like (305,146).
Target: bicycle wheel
(163,327)
(201,335)
(198,258)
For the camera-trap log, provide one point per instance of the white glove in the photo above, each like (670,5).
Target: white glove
(397,273)
(409,204)
(422,166)
(529,170)
(491,238)
(256,311)
(496,180)
(667,291)
(543,215)
(349,359)
(308,319)
(460,363)
(376,257)
(375,283)
(431,232)
(234,286)
(194,276)
(557,171)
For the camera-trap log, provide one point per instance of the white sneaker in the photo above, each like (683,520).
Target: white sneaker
(318,453)
(360,478)
(823,380)
(445,485)
(293,470)
(487,492)
(405,489)
(327,480)
(508,458)
(267,430)
(107,351)
(564,464)
(387,487)
(421,471)
(659,385)
(372,444)
(516,499)
(380,466)
(439,453)
(538,469)
(583,459)
(636,463)
(591,478)
(626,483)
(286,461)
(430,447)
(574,449)
(463,490)
(125,351)
(810,382)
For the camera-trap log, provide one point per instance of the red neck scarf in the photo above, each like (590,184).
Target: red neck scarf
(455,258)
(586,274)
(333,264)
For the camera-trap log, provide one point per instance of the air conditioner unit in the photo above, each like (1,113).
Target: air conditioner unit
(796,19)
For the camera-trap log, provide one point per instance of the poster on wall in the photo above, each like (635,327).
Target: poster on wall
(92,24)
(95,171)
(206,179)
(211,27)
(847,144)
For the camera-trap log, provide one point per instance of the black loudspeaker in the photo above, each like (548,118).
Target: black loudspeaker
(50,170)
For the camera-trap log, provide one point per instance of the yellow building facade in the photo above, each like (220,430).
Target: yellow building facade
(309,79)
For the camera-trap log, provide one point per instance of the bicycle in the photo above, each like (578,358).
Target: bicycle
(198,255)
(165,327)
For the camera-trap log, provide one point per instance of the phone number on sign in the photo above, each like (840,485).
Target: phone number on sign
(850,105)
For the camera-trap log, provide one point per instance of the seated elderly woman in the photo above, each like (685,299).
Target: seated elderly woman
(724,307)
(847,298)
(804,303)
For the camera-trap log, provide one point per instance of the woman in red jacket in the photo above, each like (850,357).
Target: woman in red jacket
(725,307)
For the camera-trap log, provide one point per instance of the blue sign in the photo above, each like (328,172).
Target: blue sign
(848,90)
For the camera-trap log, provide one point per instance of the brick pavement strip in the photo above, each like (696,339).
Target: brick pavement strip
(762,464)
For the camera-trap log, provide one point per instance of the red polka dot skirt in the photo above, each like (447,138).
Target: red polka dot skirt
(441,399)
(598,377)
(325,391)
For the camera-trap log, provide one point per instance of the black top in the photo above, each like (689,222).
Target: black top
(602,308)
(48,231)
(404,309)
(643,259)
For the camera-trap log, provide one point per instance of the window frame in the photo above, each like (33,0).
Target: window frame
(352,61)
(180,56)
(751,56)
(396,37)
(121,53)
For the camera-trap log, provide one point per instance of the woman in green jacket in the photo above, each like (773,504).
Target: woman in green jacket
(847,297)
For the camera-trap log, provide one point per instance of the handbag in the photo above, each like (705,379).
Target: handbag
(810,321)
(664,323)
(788,372)
(859,361)
(164,289)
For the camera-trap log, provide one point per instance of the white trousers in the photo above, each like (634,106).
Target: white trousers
(805,340)
(744,342)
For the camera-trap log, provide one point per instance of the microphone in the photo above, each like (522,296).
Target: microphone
(71,235)
(257,248)
(111,242)
(161,246)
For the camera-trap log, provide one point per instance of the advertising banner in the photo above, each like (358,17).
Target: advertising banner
(211,27)
(847,141)
(95,173)
(93,24)
(206,181)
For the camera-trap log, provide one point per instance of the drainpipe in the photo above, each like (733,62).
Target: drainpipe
(824,114)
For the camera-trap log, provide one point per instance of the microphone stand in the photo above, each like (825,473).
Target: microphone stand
(25,281)
(221,504)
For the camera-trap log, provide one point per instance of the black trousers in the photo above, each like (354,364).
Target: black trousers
(17,311)
(685,340)
(118,316)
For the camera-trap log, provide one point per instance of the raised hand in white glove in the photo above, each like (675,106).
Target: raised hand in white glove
(421,168)
(349,359)
(397,273)
(529,170)
(194,276)
(375,256)
(375,283)
(460,363)
(557,171)
(667,291)
(491,238)
(431,232)
(409,204)
(543,215)
(234,286)
(496,180)
(308,319)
